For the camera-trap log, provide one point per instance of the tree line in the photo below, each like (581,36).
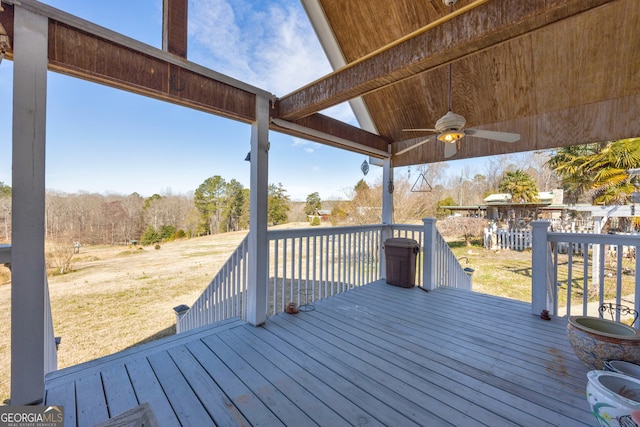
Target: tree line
(593,173)
(215,206)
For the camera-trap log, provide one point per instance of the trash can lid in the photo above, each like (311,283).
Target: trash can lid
(401,242)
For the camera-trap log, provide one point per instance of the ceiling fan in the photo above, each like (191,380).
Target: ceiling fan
(449,130)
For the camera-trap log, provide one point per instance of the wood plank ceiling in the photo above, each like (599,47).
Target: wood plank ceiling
(558,72)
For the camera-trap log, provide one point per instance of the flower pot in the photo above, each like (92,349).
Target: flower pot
(613,397)
(595,340)
(623,367)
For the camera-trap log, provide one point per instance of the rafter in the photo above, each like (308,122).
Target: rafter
(85,50)
(481,26)
(174,27)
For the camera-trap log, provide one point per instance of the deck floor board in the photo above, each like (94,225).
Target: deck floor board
(445,386)
(375,355)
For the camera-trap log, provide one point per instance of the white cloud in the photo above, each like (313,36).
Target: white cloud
(307,146)
(269,45)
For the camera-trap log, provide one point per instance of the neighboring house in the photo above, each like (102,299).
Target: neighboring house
(324,214)
(499,207)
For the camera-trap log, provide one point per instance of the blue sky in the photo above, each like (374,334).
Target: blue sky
(106,140)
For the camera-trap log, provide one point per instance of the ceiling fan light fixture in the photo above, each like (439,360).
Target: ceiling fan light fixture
(450,136)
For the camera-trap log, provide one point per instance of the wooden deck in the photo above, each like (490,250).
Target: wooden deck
(376,355)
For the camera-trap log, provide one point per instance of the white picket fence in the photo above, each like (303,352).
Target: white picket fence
(517,239)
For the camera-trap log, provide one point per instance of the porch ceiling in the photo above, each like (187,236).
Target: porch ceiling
(559,72)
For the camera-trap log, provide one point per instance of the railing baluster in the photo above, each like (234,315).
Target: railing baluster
(323,277)
(619,278)
(335,260)
(596,243)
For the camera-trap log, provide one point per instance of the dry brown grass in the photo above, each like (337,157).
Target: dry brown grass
(117,297)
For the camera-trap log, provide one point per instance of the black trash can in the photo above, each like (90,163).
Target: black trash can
(400,256)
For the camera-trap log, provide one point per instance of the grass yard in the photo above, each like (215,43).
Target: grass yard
(503,273)
(117,297)
(508,274)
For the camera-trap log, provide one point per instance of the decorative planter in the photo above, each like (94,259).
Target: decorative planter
(595,340)
(623,367)
(613,397)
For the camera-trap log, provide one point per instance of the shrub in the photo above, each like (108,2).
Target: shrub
(150,236)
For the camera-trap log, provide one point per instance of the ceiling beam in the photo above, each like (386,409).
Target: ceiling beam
(329,131)
(482,25)
(82,49)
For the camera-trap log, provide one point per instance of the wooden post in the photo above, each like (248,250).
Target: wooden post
(28,182)
(174,27)
(429,256)
(258,242)
(539,266)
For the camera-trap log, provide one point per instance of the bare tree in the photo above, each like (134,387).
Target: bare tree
(545,178)
(466,227)
(60,253)
(5,219)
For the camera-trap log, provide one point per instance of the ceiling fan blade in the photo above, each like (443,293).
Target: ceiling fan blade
(419,130)
(450,149)
(490,134)
(411,147)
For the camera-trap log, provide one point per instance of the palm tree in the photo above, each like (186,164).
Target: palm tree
(570,163)
(520,185)
(598,171)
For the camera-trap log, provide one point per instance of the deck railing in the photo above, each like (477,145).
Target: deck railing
(314,263)
(309,264)
(575,273)
(442,268)
(222,299)
(50,346)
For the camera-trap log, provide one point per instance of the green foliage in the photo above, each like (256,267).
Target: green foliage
(167,232)
(5,190)
(315,221)
(520,185)
(234,203)
(361,187)
(148,200)
(278,205)
(598,171)
(209,198)
(314,204)
(441,212)
(150,236)
(180,234)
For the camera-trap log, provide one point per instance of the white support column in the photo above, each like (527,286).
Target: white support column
(539,266)
(387,192)
(258,242)
(428,272)
(28,182)
(387,211)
